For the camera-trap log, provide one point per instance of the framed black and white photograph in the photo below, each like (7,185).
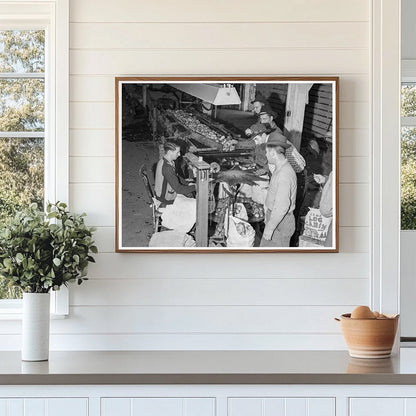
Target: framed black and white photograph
(227,164)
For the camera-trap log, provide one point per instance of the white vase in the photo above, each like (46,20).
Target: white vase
(35,326)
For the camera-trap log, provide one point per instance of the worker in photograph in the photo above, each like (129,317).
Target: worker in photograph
(295,159)
(281,195)
(174,193)
(264,123)
(167,183)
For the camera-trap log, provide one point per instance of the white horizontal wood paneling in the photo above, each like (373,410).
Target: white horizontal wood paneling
(105,238)
(98,88)
(92,169)
(89,115)
(221,36)
(201,319)
(218,11)
(352,239)
(230,265)
(222,61)
(92,143)
(354,142)
(354,115)
(97,200)
(213,301)
(185,341)
(354,170)
(220,291)
(354,205)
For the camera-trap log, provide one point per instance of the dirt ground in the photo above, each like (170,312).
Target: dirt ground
(137,226)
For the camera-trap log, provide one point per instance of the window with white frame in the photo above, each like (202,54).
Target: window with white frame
(408,148)
(22,125)
(33,113)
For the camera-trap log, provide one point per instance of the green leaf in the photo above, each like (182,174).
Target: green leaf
(57,262)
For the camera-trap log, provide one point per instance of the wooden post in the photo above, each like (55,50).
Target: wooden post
(247,95)
(144,93)
(297,98)
(154,122)
(202,182)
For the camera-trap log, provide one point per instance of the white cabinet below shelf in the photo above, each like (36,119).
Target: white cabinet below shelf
(382,406)
(271,406)
(159,406)
(44,407)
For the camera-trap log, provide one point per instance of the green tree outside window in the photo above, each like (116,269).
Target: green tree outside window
(22,97)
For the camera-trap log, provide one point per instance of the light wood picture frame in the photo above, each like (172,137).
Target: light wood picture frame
(227,164)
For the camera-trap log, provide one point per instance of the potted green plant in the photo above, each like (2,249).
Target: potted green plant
(40,252)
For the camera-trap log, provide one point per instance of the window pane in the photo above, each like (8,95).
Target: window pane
(408,99)
(22,51)
(21,173)
(21,109)
(408,178)
(21,183)
(22,105)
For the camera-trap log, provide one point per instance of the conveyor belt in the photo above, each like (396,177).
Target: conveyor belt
(232,153)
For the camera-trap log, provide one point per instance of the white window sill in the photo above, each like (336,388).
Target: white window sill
(11,309)
(13,315)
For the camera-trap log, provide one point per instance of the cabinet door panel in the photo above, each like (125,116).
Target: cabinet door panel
(67,407)
(296,407)
(115,407)
(160,406)
(271,406)
(15,407)
(245,407)
(34,407)
(199,407)
(157,407)
(321,407)
(44,407)
(3,407)
(275,407)
(410,406)
(377,406)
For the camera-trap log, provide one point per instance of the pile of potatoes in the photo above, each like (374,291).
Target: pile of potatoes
(364,312)
(192,123)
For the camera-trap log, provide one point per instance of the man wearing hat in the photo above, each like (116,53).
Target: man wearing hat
(295,159)
(265,122)
(281,195)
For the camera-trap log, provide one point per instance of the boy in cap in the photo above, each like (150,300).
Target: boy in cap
(281,195)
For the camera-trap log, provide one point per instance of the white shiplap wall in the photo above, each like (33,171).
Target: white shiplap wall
(222,301)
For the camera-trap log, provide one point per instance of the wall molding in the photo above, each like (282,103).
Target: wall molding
(385,116)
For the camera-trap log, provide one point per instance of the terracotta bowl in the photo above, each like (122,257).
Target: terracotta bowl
(369,338)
